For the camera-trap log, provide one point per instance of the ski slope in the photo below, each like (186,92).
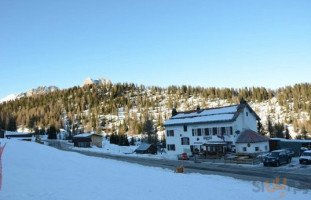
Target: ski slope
(33,171)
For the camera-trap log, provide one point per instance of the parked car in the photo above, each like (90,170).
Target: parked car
(276,158)
(305,157)
(303,149)
(289,152)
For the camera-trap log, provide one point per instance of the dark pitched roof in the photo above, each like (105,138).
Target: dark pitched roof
(250,136)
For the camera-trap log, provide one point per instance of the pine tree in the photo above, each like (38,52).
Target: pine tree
(287,135)
(163,141)
(304,132)
(149,130)
(278,130)
(132,142)
(260,128)
(11,124)
(52,132)
(270,127)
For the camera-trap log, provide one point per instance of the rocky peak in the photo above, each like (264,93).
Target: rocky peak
(41,90)
(100,81)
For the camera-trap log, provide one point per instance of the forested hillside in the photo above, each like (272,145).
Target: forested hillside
(124,107)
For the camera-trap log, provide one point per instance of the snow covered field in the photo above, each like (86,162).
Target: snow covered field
(122,150)
(38,172)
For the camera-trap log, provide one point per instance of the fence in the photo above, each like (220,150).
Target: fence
(241,160)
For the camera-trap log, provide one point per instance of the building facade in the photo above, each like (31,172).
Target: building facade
(211,131)
(87,140)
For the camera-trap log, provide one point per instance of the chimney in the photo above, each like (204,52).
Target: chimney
(174,112)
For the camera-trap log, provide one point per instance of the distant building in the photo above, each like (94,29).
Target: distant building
(146,149)
(87,140)
(215,131)
(251,142)
(17,135)
(295,145)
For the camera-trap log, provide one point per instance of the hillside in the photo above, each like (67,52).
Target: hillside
(125,107)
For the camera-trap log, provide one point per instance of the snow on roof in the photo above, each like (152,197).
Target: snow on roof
(15,133)
(143,147)
(250,136)
(211,111)
(86,135)
(206,115)
(290,140)
(199,119)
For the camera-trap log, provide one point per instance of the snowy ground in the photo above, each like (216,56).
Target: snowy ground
(123,150)
(33,171)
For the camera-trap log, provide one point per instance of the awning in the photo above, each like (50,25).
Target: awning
(215,143)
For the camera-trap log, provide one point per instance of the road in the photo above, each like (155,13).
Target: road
(298,178)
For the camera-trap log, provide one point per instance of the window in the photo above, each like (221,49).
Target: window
(266,147)
(171,147)
(244,149)
(215,131)
(170,133)
(223,130)
(206,131)
(196,132)
(229,130)
(185,128)
(185,141)
(246,114)
(256,148)
(199,131)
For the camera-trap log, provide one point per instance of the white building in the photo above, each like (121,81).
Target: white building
(215,131)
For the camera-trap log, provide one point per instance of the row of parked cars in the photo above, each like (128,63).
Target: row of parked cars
(284,156)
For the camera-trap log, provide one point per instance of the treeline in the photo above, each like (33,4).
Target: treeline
(256,94)
(90,108)
(83,109)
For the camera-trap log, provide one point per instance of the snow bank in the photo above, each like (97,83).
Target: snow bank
(124,151)
(37,172)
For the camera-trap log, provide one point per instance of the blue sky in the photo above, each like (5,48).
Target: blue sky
(155,42)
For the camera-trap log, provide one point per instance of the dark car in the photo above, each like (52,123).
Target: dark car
(289,152)
(276,158)
(305,157)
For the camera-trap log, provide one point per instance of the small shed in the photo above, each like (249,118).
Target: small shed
(146,149)
(295,145)
(250,142)
(87,140)
(17,135)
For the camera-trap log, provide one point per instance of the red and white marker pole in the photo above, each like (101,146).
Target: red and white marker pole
(1,151)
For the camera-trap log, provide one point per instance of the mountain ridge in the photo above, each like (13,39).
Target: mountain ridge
(30,92)
(125,107)
(52,88)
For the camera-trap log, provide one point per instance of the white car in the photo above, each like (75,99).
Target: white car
(305,157)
